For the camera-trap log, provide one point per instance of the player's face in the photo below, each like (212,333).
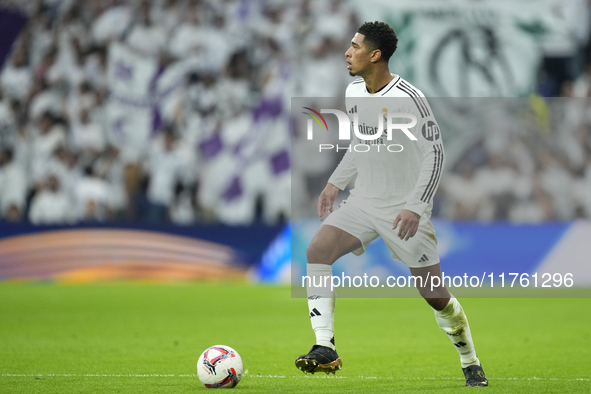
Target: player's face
(358,56)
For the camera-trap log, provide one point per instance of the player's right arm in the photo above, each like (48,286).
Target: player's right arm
(341,176)
(326,199)
(339,179)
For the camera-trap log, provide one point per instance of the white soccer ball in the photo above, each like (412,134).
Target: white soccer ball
(220,366)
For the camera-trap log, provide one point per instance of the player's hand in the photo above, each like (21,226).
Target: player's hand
(326,199)
(409,224)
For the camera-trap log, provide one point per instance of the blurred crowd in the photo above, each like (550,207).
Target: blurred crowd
(59,162)
(534,169)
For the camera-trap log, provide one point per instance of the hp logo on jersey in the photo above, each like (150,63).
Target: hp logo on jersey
(431,131)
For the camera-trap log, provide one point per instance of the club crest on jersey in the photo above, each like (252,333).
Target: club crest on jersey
(385,113)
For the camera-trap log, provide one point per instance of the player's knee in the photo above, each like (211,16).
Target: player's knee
(318,253)
(437,297)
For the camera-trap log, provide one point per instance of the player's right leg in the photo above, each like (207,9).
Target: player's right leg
(329,244)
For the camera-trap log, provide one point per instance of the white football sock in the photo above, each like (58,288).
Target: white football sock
(452,320)
(321,303)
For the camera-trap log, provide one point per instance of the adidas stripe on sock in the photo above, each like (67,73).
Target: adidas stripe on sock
(452,320)
(321,303)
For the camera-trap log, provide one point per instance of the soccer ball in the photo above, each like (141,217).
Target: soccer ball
(220,366)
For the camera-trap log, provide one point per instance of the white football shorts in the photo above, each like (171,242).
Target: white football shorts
(419,251)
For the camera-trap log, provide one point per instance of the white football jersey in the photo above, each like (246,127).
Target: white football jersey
(397,173)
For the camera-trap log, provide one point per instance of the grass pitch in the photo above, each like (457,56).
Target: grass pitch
(146,338)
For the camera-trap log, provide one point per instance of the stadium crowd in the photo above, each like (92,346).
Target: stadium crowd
(534,170)
(60,164)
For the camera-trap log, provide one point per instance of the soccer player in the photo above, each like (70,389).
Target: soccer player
(392,198)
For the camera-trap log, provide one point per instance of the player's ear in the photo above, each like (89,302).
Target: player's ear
(376,55)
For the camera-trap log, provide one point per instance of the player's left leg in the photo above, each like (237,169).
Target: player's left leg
(419,253)
(452,320)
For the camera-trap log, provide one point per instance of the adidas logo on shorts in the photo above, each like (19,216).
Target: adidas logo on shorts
(424,258)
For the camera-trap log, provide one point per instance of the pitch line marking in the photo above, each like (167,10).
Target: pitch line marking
(93,375)
(105,375)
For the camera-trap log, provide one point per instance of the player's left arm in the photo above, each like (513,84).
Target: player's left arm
(433,160)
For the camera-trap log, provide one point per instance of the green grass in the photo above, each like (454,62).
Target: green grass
(98,338)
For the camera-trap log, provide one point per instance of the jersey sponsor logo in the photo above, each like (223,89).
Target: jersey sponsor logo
(423,259)
(367,130)
(431,131)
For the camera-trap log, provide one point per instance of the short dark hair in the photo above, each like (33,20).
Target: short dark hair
(379,35)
